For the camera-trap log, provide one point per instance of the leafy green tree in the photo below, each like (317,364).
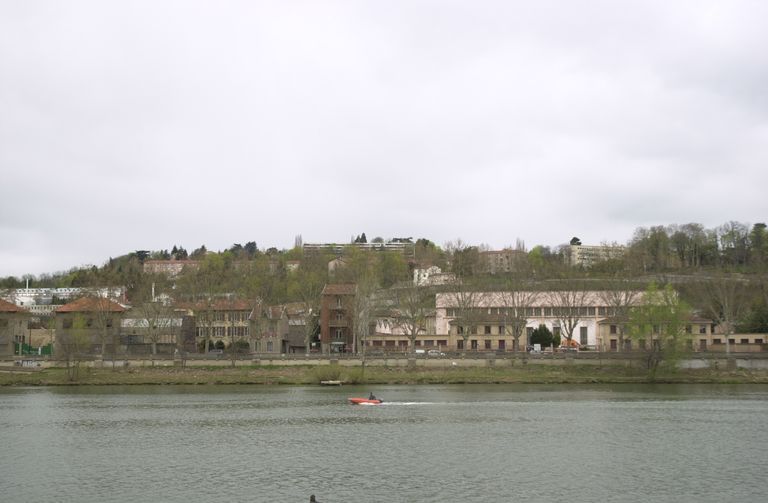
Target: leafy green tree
(541,335)
(392,268)
(758,243)
(660,319)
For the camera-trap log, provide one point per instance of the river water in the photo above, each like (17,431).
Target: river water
(500,443)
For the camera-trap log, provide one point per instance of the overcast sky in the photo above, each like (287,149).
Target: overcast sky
(140,125)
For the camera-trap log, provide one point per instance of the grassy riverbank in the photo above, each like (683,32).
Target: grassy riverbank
(312,375)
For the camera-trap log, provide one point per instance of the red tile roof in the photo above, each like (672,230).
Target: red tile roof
(90,305)
(9,307)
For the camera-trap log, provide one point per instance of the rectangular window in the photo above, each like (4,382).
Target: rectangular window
(702,344)
(487,344)
(703,329)
(487,330)
(269,346)
(601,311)
(547,311)
(628,345)
(591,311)
(502,330)
(442,343)
(460,344)
(688,329)
(474,330)
(613,330)
(744,341)
(716,341)
(502,345)
(556,331)
(731,341)
(460,330)
(583,338)
(474,344)
(529,331)
(613,344)
(429,343)
(758,341)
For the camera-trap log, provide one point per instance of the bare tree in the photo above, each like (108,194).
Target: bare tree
(725,299)
(412,307)
(158,321)
(363,311)
(569,306)
(620,296)
(466,310)
(517,302)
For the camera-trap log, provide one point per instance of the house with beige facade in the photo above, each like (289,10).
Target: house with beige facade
(221,322)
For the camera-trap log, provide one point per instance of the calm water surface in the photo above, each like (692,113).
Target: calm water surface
(425,444)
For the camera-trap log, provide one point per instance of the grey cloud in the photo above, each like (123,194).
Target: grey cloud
(196,122)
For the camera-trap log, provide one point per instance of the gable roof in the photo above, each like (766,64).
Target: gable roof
(9,307)
(90,305)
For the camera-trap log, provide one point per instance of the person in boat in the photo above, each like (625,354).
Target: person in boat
(312,499)
(371,397)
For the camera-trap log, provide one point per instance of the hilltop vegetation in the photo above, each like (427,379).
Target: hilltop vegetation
(679,254)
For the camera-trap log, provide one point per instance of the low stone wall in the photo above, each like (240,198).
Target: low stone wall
(751,361)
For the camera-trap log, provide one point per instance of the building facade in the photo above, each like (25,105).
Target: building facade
(14,327)
(222,322)
(89,325)
(337,318)
(587,256)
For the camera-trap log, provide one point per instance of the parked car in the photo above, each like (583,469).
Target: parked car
(435,352)
(420,351)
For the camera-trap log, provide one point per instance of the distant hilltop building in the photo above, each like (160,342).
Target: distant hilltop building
(586,256)
(399,246)
(501,261)
(432,276)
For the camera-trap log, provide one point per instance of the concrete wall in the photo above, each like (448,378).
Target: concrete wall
(749,361)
